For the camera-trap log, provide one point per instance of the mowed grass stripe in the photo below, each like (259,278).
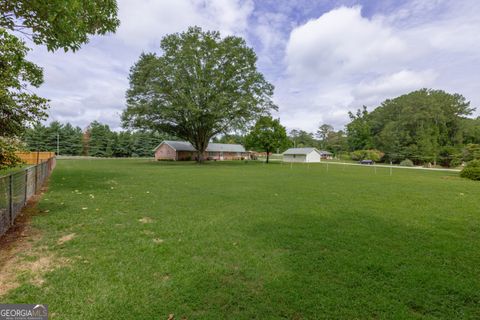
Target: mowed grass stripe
(251,241)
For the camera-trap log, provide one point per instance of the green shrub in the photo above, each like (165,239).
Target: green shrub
(450,156)
(406,163)
(471,152)
(456,162)
(343,155)
(471,170)
(374,155)
(8,158)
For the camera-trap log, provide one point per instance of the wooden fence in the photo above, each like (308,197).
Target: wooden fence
(35,157)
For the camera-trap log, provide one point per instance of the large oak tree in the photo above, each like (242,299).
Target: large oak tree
(200,86)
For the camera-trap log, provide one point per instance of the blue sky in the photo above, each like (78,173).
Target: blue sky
(324,57)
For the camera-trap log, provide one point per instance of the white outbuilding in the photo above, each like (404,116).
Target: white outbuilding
(302,155)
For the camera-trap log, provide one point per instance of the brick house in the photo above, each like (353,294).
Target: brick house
(183,150)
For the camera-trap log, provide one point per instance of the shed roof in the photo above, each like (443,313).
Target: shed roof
(212,147)
(300,151)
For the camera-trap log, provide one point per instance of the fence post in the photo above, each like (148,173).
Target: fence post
(10,197)
(26,186)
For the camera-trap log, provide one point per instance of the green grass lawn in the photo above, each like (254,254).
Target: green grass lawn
(238,240)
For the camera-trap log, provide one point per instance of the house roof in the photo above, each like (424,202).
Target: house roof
(212,147)
(179,145)
(300,151)
(324,152)
(226,147)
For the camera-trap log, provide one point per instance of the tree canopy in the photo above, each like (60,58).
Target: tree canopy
(424,126)
(19,106)
(200,86)
(55,24)
(323,132)
(267,135)
(59,23)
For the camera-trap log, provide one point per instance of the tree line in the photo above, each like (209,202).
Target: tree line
(424,126)
(97,140)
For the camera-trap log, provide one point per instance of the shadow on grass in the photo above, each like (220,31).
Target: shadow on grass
(342,267)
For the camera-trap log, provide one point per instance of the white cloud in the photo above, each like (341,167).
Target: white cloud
(342,41)
(343,60)
(391,85)
(143,23)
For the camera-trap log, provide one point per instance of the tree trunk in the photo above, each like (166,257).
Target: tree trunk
(201,146)
(267,155)
(200,157)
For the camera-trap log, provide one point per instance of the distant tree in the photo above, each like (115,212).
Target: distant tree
(201,86)
(336,142)
(423,126)
(100,141)
(230,138)
(300,138)
(471,130)
(267,135)
(44,138)
(71,140)
(359,132)
(123,146)
(36,138)
(145,141)
(86,142)
(322,134)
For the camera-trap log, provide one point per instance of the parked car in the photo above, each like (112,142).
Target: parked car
(366,161)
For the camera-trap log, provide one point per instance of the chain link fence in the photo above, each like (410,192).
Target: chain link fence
(17,188)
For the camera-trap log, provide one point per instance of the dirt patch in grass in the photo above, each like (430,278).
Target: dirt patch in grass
(145,220)
(19,255)
(66,238)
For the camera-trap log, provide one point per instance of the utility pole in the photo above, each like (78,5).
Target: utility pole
(58,144)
